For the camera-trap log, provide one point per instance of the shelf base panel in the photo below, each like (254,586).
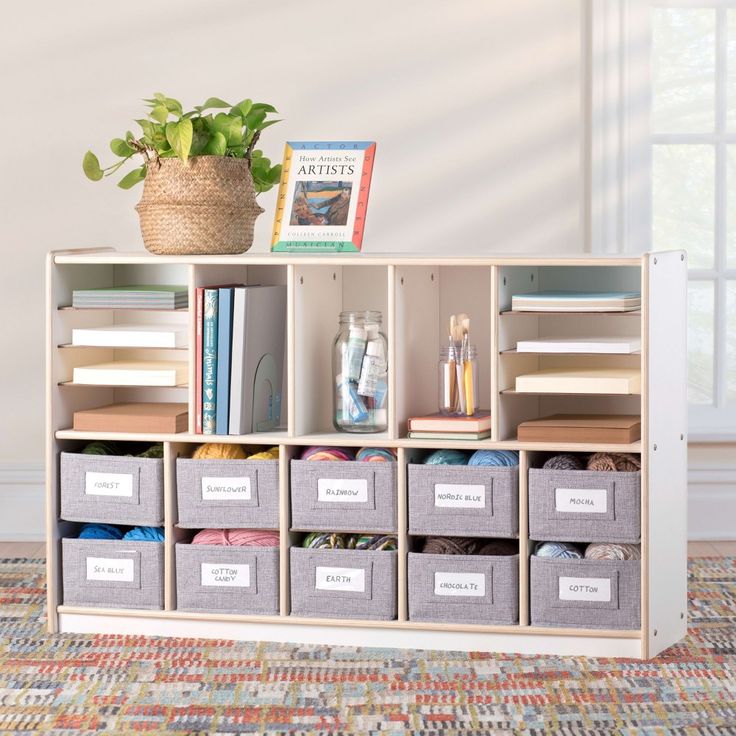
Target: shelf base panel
(506,640)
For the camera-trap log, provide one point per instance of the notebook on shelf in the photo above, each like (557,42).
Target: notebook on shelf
(602,428)
(480,422)
(464,436)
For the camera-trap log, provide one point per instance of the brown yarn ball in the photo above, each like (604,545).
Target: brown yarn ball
(450,546)
(620,461)
(500,547)
(565,461)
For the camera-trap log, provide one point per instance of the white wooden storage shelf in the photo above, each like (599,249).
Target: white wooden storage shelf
(416,295)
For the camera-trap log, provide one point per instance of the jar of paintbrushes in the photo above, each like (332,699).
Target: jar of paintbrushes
(458,371)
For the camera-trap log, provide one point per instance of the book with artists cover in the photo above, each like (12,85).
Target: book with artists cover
(323,196)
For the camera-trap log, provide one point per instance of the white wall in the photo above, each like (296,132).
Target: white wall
(475,104)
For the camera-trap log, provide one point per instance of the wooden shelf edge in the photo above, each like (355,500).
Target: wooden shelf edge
(277,438)
(514,629)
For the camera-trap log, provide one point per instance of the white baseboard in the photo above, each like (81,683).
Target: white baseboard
(711,504)
(22,502)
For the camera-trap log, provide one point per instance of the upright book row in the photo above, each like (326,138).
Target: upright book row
(240,346)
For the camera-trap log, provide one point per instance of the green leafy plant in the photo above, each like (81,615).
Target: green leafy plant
(215,128)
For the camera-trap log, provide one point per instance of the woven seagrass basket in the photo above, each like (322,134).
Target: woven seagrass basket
(206,206)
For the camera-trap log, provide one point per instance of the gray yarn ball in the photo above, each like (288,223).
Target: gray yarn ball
(566,461)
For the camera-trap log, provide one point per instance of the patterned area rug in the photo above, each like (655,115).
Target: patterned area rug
(73,684)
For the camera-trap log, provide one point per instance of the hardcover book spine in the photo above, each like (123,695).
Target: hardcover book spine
(198,361)
(209,362)
(224,337)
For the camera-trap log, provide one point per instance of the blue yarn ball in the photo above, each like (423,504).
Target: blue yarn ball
(145,534)
(100,531)
(494,458)
(560,550)
(375,454)
(447,457)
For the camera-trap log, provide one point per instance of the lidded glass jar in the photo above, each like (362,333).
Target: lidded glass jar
(360,374)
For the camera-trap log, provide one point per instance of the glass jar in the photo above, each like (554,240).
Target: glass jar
(458,381)
(359,370)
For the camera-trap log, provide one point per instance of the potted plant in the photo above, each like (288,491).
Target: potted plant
(200,172)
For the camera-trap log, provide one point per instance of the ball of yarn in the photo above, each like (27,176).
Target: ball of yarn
(327,453)
(499,547)
(375,542)
(494,458)
(271,454)
(447,457)
(562,550)
(145,534)
(450,546)
(376,454)
(566,461)
(103,447)
(611,551)
(155,451)
(620,461)
(219,451)
(237,537)
(325,540)
(100,531)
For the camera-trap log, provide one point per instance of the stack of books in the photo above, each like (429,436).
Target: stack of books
(576,301)
(444,427)
(239,361)
(132,297)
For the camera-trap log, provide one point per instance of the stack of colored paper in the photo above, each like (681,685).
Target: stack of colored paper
(576,301)
(132,297)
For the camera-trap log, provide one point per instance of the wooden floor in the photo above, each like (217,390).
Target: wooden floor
(694,549)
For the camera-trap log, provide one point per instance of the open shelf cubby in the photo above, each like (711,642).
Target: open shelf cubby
(415,295)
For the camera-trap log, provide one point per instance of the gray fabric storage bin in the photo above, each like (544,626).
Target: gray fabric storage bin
(241,494)
(112,489)
(135,572)
(315,482)
(462,500)
(213,578)
(584,505)
(611,589)
(491,582)
(370,575)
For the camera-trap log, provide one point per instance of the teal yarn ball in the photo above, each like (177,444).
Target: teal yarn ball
(145,534)
(494,458)
(558,550)
(100,531)
(447,457)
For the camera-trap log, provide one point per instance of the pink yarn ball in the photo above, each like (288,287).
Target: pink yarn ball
(237,537)
(327,453)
